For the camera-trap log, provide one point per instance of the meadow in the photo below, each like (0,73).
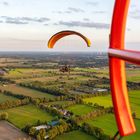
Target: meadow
(75,135)
(25,91)
(108,124)
(134,97)
(80,109)
(79,83)
(28,114)
(4,98)
(59,103)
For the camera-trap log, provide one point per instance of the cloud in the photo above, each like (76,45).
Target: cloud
(86,19)
(76,10)
(63,12)
(92,3)
(15,22)
(4,3)
(35,19)
(99,12)
(24,20)
(70,10)
(85,24)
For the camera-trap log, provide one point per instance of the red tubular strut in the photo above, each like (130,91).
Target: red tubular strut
(117,58)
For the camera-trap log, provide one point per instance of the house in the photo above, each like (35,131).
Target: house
(46,137)
(100,90)
(42,127)
(66,113)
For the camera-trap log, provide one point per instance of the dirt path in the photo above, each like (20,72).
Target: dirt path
(10,132)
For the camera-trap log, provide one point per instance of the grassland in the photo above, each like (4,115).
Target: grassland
(75,135)
(79,109)
(108,124)
(25,91)
(59,103)
(133,75)
(134,97)
(4,98)
(28,114)
(101,100)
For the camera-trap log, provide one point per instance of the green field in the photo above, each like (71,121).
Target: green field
(4,98)
(79,109)
(59,103)
(101,100)
(134,97)
(75,135)
(108,124)
(26,91)
(28,114)
(133,75)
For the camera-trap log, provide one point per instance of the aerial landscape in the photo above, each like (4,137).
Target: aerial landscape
(41,100)
(69,70)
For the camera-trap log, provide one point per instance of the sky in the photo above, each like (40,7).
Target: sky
(27,25)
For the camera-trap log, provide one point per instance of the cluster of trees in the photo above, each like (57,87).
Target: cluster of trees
(133,85)
(60,129)
(91,115)
(16,103)
(4,116)
(98,81)
(6,80)
(54,91)
(50,133)
(38,134)
(51,110)
(95,131)
(19,96)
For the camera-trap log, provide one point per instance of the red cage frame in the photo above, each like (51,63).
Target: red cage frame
(117,57)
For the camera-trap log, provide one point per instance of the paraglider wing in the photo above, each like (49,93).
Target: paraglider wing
(62,34)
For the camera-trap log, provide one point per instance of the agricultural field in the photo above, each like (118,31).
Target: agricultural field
(133,76)
(4,98)
(75,135)
(28,114)
(59,103)
(79,109)
(101,100)
(108,124)
(88,77)
(104,72)
(26,73)
(25,91)
(107,101)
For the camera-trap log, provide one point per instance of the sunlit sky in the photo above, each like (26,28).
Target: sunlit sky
(27,25)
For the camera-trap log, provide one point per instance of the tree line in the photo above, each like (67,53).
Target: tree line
(95,131)
(51,133)
(12,104)
(53,91)
(91,115)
